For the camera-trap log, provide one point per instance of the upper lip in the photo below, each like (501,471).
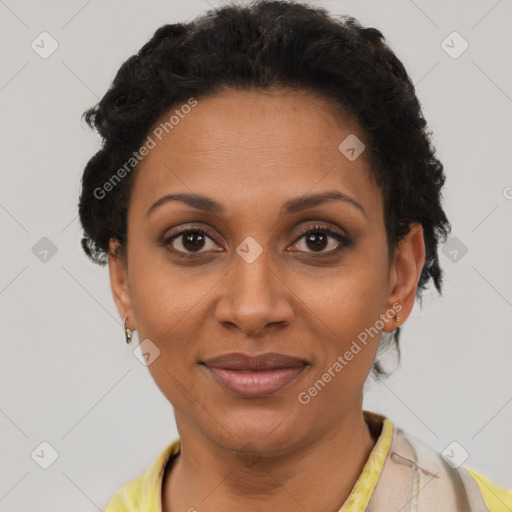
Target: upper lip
(267,361)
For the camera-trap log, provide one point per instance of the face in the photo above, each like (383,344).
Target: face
(264,270)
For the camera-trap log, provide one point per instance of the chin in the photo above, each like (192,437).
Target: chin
(259,431)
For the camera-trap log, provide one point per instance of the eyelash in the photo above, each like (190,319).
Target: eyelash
(344,242)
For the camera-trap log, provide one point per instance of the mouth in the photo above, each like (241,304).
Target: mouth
(254,376)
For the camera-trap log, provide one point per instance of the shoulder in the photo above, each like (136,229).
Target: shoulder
(497,499)
(477,487)
(417,465)
(144,492)
(126,499)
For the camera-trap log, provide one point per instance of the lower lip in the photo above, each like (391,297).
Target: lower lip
(253,384)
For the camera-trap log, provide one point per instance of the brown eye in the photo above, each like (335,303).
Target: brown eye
(193,241)
(321,240)
(317,241)
(190,241)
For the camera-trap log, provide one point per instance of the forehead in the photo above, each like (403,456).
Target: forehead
(272,144)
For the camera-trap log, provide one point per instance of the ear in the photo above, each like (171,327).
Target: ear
(404,274)
(119,283)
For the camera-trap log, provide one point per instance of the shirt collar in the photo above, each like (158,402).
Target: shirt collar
(151,483)
(365,485)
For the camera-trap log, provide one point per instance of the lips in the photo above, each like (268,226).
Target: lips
(268,361)
(254,376)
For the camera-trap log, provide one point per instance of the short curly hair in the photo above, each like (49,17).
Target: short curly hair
(261,45)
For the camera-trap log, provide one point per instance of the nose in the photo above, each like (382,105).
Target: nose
(254,297)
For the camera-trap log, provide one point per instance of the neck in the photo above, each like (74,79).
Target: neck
(318,475)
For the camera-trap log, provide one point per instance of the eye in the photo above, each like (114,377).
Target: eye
(188,242)
(317,239)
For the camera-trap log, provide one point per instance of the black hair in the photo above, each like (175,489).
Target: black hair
(261,45)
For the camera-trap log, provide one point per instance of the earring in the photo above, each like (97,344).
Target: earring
(397,318)
(127,331)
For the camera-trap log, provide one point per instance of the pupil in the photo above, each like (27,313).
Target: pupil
(189,239)
(316,236)
(195,240)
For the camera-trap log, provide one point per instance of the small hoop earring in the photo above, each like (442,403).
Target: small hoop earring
(127,331)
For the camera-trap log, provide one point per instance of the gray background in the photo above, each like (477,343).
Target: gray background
(67,376)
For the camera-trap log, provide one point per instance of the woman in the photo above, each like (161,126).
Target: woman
(268,202)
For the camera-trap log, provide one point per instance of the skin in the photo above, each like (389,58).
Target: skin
(252,151)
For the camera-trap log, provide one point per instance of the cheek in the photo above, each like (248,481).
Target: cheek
(167,301)
(166,308)
(342,319)
(348,298)
(344,308)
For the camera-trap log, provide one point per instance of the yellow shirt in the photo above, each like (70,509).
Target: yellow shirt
(145,492)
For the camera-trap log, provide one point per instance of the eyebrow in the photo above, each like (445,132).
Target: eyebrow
(295,205)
